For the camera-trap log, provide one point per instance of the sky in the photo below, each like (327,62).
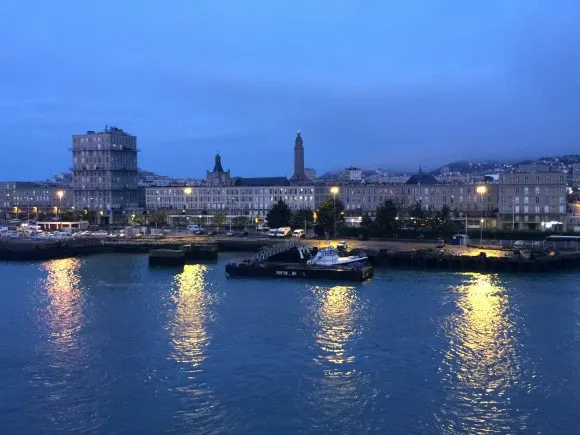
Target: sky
(393,84)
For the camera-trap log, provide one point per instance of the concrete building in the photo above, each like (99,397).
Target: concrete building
(105,171)
(574,175)
(310,173)
(18,197)
(237,196)
(253,199)
(351,174)
(533,201)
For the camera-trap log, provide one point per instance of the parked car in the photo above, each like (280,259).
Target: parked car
(230,233)
(211,233)
(244,234)
(199,232)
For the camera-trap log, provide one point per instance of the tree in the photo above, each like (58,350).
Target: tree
(219,218)
(91,216)
(417,211)
(330,214)
(302,217)
(279,215)
(68,215)
(387,216)
(366,222)
(139,220)
(240,222)
(444,213)
(159,218)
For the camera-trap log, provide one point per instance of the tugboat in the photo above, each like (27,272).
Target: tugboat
(329,257)
(326,264)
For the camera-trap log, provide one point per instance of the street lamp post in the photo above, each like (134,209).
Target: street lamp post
(334,191)
(481,190)
(60,194)
(28,208)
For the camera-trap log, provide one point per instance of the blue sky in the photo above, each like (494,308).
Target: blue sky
(371,83)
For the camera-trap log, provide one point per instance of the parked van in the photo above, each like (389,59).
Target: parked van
(298,234)
(193,228)
(3,231)
(284,232)
(273,233)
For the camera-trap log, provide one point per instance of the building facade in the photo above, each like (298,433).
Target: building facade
(105,170)
(352,174)
(239,200)
(20,197)
(310,173)
(533,201)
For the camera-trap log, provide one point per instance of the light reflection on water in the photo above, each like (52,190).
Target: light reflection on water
(337,396)
(335,319)
(482,363)
(191,300)
(67,354)
(190,339)
(64,311)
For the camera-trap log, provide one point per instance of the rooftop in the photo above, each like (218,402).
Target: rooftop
(262,181)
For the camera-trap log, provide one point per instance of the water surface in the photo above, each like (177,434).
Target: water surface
(105,344)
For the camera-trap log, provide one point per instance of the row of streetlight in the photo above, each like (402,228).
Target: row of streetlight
(59,194)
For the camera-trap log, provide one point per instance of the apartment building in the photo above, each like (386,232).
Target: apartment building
(17,197)
(249,197)
(532,201)
(105,170)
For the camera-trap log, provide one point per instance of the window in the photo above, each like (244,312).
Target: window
(526,199)
(537,199)
(526,190)
(526,209)
(562,209)
(537,190)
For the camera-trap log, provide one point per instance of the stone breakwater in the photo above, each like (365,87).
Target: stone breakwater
(31,250)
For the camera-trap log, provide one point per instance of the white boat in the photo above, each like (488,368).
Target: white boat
(329,257)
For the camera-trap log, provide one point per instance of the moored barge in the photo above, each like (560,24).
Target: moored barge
(358,272)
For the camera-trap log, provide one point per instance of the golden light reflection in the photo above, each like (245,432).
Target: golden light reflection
(481,363)
(190,337)
(64,297)
(336,324)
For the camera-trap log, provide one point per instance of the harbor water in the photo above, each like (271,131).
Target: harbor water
(106,344)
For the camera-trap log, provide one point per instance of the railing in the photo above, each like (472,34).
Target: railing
(270,251)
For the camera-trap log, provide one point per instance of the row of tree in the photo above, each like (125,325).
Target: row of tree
(329,216)
(391,220)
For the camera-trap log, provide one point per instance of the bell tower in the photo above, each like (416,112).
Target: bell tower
(298,159)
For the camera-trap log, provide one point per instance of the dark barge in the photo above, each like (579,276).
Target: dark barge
(297,270)
(289,260)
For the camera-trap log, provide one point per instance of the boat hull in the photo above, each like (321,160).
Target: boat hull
(296,271)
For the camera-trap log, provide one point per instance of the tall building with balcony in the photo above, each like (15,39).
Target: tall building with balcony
(105,170)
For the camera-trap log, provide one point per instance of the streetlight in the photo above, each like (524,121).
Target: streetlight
(60,194)
(334,191)
(481,190)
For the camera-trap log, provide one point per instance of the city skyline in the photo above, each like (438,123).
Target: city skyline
(383,86)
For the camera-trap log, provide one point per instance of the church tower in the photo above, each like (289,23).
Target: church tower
(298,159)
